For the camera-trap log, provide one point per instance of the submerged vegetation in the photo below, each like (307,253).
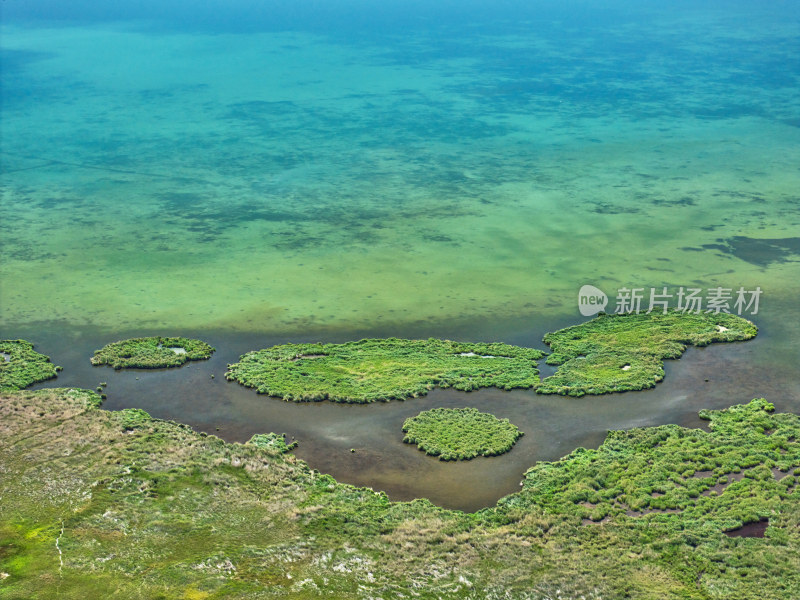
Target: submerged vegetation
(460,433)
(383,369)
(21,365)
(151,352)
(100,503)
(619,353)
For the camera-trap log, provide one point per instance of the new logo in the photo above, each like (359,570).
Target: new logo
(591,300)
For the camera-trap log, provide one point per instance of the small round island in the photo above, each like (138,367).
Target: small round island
(151,353)
(460,433)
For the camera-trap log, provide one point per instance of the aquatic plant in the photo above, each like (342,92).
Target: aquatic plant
(21,365)
(383,369)
(460,433)
(160,510)
(619,353)
(273,441)
(151,352)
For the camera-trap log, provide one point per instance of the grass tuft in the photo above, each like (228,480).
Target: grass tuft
(273,441)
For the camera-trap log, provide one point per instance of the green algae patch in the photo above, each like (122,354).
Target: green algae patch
(620,353)
(21,365)
(460,433)
(151,353)
(272,441)
(383,369)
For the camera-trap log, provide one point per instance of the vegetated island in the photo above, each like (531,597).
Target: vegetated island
(151,353)
(620,353)
(611,353)
(21,366)
(460,433)
(383,369)
(107,503)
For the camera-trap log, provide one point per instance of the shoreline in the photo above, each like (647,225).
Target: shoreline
(554,425)
(220,484)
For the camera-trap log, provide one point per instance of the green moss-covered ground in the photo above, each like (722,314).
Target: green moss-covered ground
(383,369)
(99,504)
(460,433)
(21,365)
(619,353)
(151,352)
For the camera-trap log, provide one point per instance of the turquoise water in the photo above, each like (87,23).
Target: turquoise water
(165,170)
(288,171)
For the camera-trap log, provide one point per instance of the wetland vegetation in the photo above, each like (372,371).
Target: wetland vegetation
(99,503)
(273,441)
(460,433)
(611,353)
(373,370)
(620,353)
(21,366)
(151,353)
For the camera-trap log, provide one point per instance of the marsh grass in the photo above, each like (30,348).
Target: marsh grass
(460,433)
(158,510)
(21,366)
(383,369)
(620,353)
(611,353)
(273,441)
(151,352)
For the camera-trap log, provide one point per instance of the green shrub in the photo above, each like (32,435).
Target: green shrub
(131,418)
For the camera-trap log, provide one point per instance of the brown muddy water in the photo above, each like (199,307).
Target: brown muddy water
(713,377)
